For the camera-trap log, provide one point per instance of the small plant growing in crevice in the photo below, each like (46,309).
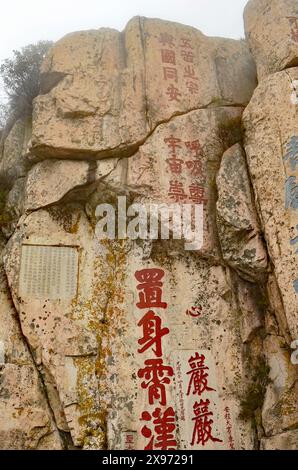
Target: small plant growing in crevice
(230,131)
(20,80)
(255,393)
(5,215)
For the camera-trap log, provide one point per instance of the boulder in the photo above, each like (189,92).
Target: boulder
(271,29)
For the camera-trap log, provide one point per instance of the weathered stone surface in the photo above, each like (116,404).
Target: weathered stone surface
(26,420)
(271,28)
(145,177)
(239,232)
(285,441)
(185,278)
(26,424)
(252,309)
(12,162)
(272,160)
(92,327)
(280,406)
(49,181)
(99,105)
(105,334)
(107,101)
(58,341)
(206,69)
(203,136)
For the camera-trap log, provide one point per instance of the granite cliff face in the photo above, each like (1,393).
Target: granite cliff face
(134,344)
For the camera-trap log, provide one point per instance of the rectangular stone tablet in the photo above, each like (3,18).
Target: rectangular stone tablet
(49,272)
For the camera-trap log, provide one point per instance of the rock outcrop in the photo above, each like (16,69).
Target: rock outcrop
(271,28)
(104,340)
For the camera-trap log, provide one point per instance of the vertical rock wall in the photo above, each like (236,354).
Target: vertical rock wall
(143,344)
(270,132)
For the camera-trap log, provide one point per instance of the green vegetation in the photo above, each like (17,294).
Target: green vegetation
(255,393)
(20,76)
(5,216)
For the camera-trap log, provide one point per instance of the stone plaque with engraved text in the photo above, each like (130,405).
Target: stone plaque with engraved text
(48,271)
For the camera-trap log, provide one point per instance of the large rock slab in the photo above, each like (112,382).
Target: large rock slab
(49,181)
(64,347)
(239,231)
(111,89)
(279,412)
(87,338)
(284,441)
(130,336)
(271,28)
(12,162)
(26,419)
(271,149)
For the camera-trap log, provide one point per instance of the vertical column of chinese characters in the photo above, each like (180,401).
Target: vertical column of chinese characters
(129,441)
(189,74)
(193,165)
(202,415)
(291,185)
(175,166)
(229,428)
(170,72)
(159,419)
(293,21)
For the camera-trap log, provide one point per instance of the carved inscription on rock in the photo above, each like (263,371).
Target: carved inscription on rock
(48,271)
(198,405)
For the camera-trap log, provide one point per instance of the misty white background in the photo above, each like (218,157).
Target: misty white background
(27,21)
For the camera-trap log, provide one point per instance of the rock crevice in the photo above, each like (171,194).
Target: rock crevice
(117,330)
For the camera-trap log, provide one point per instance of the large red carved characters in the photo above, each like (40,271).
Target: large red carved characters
(152,333)
(198,375)
(202,430)
(150,288)
(155,375)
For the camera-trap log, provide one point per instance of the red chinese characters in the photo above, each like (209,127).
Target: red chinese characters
(185,43)
(173,93)
(192,87)
(198,381)
(155,375)
(202,431)
(177,166)
(189,73)
(187,56)
(195,167)
(197,194)
(150,287)
(194,312)
(166,40)
(173,144)
(194,146)
(229,428)
(195,164)
(168,56)
(176,191)
(129,441)
(172,51)
(170,72)
(203,416)
(293,21)
(164,427)
(152,333)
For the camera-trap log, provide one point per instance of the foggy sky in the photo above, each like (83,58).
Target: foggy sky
(27,21)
